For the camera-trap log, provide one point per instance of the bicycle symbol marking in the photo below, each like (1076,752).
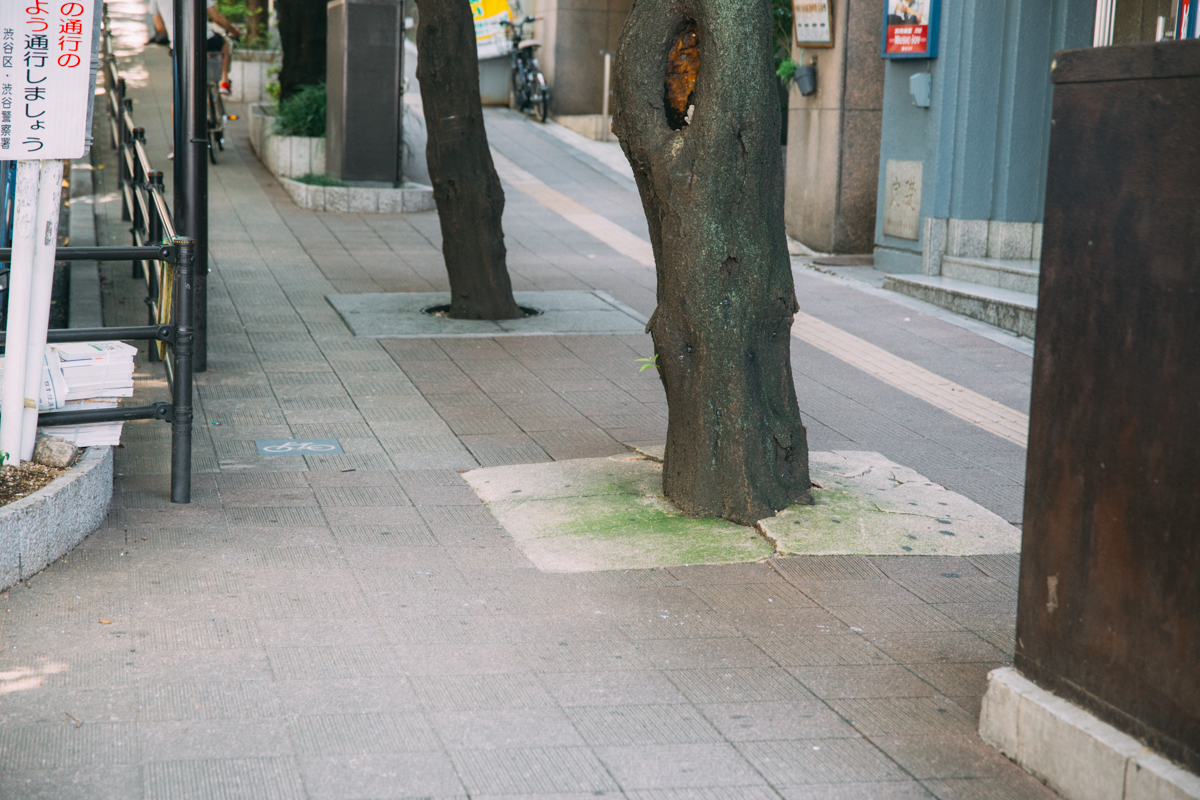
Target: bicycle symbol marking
(297,447)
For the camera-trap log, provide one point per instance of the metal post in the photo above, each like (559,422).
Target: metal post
(122,146)
(139,135)
(181,352)
(154,235)
(604,124)
(191,154)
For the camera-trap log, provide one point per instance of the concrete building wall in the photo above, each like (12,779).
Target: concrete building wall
(833,137)
(980,149)
(572,34)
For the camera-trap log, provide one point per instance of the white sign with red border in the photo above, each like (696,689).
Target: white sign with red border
(45,77)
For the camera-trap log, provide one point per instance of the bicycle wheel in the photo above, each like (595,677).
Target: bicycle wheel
(221,118)
(212,127)
(541,99)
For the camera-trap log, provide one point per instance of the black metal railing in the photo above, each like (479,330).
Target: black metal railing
(167,261)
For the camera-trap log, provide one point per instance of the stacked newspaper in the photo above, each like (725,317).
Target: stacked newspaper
(86,376)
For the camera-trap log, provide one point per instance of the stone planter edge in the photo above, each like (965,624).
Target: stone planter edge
(37,530)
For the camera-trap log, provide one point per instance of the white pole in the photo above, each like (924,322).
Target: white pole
(604,123)
(46,231)
(20,283)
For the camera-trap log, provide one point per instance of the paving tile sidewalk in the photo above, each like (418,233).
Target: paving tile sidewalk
(357,626)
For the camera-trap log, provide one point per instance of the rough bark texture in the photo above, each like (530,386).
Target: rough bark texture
(302,32)
(711,183)
(256,20)
(466,187)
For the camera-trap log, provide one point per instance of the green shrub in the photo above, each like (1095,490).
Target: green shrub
(313,179)
(302,114)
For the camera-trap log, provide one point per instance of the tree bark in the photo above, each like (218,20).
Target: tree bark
(256,20)
(466,188)
(697,115)
(302,31)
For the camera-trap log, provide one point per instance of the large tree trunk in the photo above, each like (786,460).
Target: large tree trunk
(697,115)
(466,187)
(302,32)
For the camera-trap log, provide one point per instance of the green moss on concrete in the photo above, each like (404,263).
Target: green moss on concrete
(609,513)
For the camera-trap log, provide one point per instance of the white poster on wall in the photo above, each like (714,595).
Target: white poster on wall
(45,77)
(814,23)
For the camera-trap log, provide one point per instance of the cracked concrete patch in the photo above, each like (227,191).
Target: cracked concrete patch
(609,513)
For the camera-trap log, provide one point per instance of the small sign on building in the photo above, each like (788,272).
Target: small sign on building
(910,28)
(45,78)
(814,23)
(902,199)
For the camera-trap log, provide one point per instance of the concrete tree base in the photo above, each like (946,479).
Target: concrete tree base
(37,530)
(610,513)
(1075,753)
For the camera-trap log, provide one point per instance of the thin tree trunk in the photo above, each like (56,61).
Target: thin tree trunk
(466,187)
(302,31)
(697,115)
(256,20)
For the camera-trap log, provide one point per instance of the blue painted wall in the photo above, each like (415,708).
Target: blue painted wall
(985,137)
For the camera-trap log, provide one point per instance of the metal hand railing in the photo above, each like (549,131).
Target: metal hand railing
(166,261)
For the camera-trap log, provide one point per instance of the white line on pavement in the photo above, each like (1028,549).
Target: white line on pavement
(897,372)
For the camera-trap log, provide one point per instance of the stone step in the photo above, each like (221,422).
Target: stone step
(1001,273)
(1004,308)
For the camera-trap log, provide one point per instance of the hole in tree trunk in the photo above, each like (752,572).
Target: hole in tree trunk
(444,311)
(683,65)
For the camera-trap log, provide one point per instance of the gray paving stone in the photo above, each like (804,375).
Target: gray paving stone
(642,725)
(49,745)
(786,763)
(481,692)
(307,663)
(775,720)
(705,793)
(510,728)
(738,685)
(821,650)
(904,716)
(884,680)
(356,734)
(532,771)
(612,688)
(893,790)
(678,766)
(235,779)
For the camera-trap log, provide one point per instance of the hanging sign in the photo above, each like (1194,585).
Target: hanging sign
(1185,20)
(491,40)
(814,23)
(910,28)
(45,77)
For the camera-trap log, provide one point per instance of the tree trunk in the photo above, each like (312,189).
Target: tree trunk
(302,29)
(256,21)
(466,187)
(697,115)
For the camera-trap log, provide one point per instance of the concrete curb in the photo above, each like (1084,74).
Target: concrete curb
(1075,753)
(83,307)
(37,530)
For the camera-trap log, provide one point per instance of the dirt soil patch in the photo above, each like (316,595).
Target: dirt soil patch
(22,481)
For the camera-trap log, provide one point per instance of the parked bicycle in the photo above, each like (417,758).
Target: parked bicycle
(216,108)
(530,92)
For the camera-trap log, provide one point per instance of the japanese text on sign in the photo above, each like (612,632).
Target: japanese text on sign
(45,79)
